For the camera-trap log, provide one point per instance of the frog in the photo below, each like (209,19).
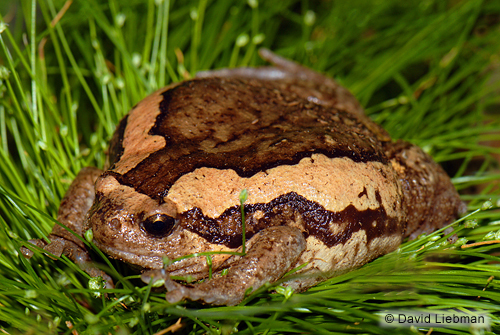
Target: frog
(327,188)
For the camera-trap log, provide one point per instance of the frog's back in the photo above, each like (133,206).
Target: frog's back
(304,164)
(248,126)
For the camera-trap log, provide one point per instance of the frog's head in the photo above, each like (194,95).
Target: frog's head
(135,228)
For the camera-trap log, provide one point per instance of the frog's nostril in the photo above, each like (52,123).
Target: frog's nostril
(115,224)
(158,225)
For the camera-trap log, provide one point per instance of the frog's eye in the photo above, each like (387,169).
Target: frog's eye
(158,225)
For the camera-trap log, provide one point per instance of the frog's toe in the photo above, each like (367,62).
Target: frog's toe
(27,252)
(56,247)
(155,275)
(174,296)
(176,292)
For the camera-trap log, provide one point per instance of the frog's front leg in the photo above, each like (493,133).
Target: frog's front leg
(268,258)
(72,213)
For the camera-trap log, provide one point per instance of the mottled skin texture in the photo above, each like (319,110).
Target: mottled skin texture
(326,186)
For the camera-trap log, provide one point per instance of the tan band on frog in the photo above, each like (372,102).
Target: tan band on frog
(319,179)
(137,142)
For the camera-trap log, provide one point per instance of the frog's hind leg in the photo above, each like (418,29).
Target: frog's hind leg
(306,83)
(430,200)
(269,257)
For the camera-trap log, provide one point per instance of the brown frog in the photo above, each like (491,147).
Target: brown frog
(327,188)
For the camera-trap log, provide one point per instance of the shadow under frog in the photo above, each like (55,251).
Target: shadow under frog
(327,187)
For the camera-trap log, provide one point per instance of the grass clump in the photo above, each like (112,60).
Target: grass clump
(426,70)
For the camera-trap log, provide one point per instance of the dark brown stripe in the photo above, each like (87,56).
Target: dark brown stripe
(116,144)
(316,221)
(246,126)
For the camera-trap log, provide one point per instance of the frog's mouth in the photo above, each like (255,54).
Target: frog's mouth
(143,261)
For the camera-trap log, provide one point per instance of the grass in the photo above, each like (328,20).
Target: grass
(69,71)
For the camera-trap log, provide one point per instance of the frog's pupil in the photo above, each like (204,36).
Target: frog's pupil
(158,225)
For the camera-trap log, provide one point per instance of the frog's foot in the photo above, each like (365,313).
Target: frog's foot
(296,69)
(271,255)
(56,247)
(283,68)
(59,246)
